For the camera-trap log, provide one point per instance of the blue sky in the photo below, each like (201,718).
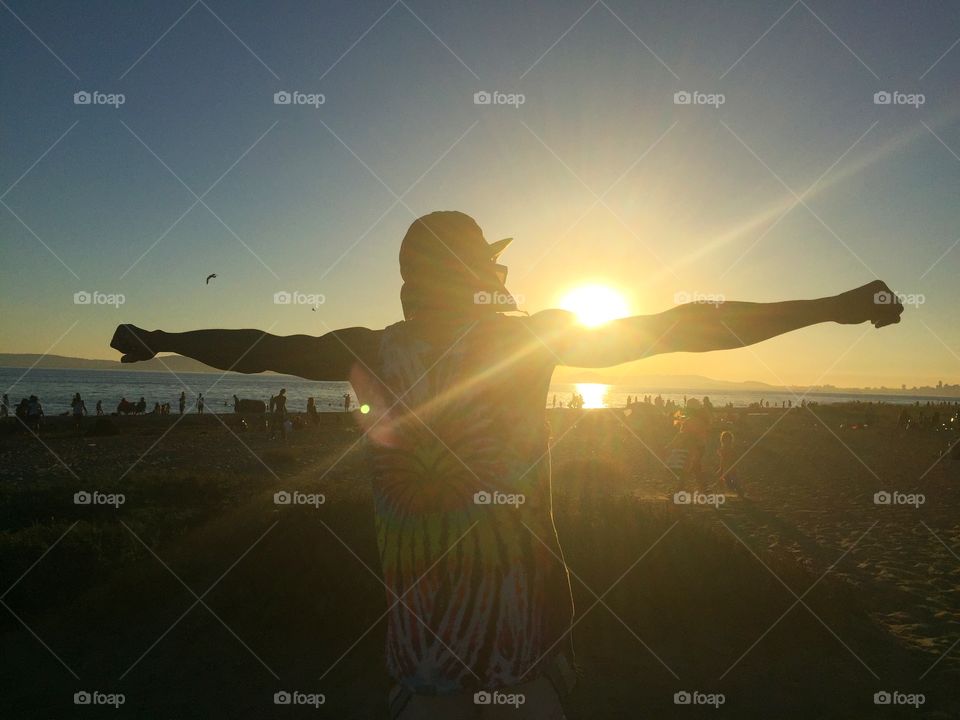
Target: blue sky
(599,175)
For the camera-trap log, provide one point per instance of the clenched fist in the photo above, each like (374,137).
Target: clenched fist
(873,302)
(135,343)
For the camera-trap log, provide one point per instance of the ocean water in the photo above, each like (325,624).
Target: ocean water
(56,388)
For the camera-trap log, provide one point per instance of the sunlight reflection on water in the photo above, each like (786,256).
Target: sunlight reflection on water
(594,394)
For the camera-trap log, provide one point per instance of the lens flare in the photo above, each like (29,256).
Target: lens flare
(595,304)
(594,394)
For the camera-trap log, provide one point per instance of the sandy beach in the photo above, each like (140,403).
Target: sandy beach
(806,596)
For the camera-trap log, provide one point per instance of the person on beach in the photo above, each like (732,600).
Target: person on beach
(312,416)
(99,408)
(696,428)
(729,479)
(479,597)
(183,401)
(34,414)
(79,410)
(5,406)
(280,413)
(21,410)
(346,402)
(200,404)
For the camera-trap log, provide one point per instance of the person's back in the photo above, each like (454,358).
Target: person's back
(462,453)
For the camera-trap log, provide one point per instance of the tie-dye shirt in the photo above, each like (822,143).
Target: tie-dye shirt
(463,507)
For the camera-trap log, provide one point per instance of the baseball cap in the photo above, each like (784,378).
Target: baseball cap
(447,248)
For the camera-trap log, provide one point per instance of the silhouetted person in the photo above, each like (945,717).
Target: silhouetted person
(99,408)
(79,409)
(5,406)
(183,402)
(312,411)
(200,404)
(21,412)
(346,402)
(34,414)
(457,392)
(729,478)
(280,414)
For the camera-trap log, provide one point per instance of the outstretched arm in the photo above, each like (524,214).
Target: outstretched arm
(328,357)
(700,327)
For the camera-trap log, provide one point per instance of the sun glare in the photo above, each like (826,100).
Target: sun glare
(595,304)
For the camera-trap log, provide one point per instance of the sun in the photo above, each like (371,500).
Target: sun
(595,304)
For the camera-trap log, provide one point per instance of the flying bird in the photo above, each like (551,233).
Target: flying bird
(210,277)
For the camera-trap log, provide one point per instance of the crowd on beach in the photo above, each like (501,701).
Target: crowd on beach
(686,429)
(29,411)
(690,431)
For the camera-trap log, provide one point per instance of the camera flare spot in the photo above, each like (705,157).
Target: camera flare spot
(595,304)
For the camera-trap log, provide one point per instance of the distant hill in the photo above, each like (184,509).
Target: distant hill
(177,363)
(673,382)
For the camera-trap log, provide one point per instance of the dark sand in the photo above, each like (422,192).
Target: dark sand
(701,598)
